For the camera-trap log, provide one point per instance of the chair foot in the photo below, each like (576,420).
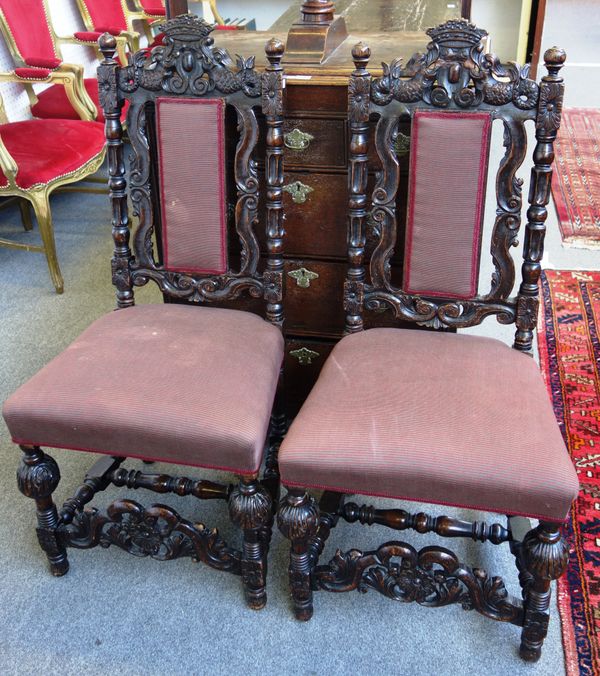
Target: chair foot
(298,518)
(545,555)
(37,478)
(250,508)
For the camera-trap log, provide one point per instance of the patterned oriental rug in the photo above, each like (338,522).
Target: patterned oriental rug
(576,177)
(569,345)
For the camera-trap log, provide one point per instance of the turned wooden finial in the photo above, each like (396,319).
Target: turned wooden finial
(361,53)
(108,45)
(554,58)
(275,49)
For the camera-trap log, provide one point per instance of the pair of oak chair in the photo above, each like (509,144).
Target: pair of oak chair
(420,415)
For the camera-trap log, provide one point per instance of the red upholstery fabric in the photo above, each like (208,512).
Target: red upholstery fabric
(154,7)
(33,73)
(106,13)
(182,384)
(158,41)
(451,419)
(53,103)
(192,167)
(93,36)
(29,26)
(47,149)
(448,171)
(43,63)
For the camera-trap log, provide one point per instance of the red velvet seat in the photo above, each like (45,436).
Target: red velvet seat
(45,150)
(53,102)
(223,363)
(381,436)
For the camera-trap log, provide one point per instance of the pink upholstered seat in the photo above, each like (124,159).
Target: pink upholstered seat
(451,419)
(184,384)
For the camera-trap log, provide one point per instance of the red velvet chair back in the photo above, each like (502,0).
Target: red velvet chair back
(106,15)
(28,22)
(428,272)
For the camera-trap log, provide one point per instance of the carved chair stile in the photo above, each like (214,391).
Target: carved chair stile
(210,366)
(384,419)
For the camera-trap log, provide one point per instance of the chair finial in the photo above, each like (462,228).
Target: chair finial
(361,53)
(274,49)
(108,45)
(554,58)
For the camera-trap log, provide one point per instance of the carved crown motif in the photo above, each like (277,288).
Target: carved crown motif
(458,33)
(186,28)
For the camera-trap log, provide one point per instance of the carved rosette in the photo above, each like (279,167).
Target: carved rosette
(38,474)
(455,71)
(550,109)
(273,283)
(358,99)
(108,94)
(527,312)
(272,93)
(354,295)
(250,506)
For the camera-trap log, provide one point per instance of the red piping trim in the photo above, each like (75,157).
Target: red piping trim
(435,502)
(221,136)
(480,204)
(138,456)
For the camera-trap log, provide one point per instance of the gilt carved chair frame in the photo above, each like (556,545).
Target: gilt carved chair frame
(187,65)
(454,74)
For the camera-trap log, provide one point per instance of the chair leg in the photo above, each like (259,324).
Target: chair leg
(25,214)
(37,478)
(298,518)
(41,206)
(250,508)
(545,555)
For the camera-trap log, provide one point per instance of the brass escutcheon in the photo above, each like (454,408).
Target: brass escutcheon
(304,356)
(297,139)
(298,191)
(402,144)
(303,277)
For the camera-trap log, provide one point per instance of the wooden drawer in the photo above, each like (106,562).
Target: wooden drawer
(314,293)
(301,367)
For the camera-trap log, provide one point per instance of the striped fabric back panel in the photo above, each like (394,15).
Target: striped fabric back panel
(448,173)
(191,149)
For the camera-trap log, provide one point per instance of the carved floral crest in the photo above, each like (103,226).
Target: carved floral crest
(455,70)
(188,63)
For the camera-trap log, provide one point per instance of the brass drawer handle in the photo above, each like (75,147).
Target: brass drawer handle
(402,144)
(303,277)
(297,139)
(304,356)
(299,191)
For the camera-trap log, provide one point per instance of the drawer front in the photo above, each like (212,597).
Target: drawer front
(301,367)
(315,207)
(314,293)
(311,142)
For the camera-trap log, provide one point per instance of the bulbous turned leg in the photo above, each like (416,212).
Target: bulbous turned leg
(250,508)
(37,478)
(298,518)
(545,555)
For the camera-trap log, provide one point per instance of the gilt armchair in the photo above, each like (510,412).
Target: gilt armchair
(36,158)
(184,383)
(432,416)
(35,48)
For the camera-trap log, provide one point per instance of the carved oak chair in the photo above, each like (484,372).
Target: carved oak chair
(432,416)
(180,383)
(35,49)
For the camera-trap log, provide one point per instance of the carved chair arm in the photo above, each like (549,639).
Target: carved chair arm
(8,165)
(68,75)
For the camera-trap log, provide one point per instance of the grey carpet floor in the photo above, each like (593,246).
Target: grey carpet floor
(114,613)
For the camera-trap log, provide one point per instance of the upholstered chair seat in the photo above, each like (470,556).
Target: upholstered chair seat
(45,150)
(435,418)
(208,378)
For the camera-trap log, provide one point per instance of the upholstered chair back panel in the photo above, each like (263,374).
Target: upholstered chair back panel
(190,134)
(448,171)
(28,25)
(106,15)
